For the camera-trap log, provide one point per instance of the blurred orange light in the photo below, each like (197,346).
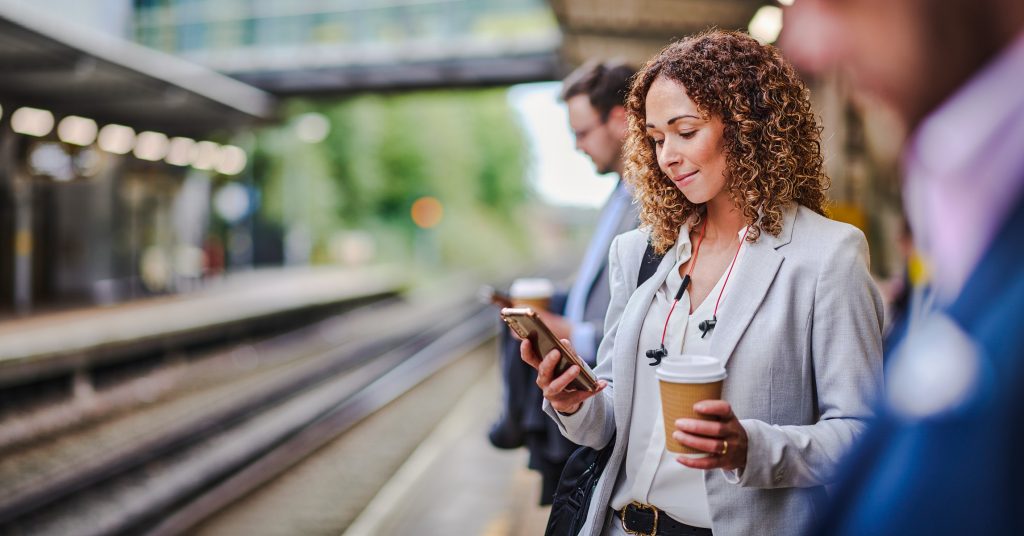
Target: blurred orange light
(427,212)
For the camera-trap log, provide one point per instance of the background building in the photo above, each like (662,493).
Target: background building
(108,156)
(305,46)
(112,17)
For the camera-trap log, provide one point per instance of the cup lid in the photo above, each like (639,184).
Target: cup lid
(531,287)
(689,368)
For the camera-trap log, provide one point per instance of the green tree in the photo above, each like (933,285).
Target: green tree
(463,147)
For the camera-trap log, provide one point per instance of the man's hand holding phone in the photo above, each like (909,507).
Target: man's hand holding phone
(556,389)
(493,296)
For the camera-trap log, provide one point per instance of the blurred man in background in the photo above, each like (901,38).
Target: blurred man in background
(944,456)
(594,95)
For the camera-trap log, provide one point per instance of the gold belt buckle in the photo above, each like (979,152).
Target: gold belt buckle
(640,506)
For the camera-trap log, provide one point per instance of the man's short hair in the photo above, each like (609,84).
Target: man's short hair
(605,83)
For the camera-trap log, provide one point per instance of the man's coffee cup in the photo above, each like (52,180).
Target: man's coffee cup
(685,380)
(532,292)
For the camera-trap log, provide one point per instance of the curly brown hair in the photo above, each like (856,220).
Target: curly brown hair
(772,141)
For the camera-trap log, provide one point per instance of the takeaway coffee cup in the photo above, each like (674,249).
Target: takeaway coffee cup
(685,380)
(532,292)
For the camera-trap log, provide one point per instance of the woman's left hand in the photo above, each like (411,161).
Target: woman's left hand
(724,438)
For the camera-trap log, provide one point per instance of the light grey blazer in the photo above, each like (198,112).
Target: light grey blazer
(800,333)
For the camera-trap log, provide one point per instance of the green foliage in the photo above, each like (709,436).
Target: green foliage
(383,152)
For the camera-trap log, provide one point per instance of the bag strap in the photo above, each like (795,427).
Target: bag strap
(648,265)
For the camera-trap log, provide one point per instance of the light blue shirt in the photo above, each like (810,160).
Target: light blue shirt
(597,253)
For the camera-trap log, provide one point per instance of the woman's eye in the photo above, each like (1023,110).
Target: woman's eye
(659,143)
(688,135)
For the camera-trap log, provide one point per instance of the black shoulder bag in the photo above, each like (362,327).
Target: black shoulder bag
(584,467)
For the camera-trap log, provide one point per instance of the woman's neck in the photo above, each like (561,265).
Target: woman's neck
(723,219)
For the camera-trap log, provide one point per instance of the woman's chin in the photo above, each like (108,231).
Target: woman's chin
(698,194)
(695,197)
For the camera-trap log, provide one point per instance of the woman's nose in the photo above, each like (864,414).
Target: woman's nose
(669,156)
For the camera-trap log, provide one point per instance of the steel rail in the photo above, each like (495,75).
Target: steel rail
(394,353)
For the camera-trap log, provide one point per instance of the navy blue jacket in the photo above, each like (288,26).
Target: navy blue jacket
(960,469)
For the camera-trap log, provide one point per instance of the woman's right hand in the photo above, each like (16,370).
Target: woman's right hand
(556,389)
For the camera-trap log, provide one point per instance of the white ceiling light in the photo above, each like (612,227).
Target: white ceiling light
(232,202)
(117,139)
(231,160)
(204,155)
(50,159)
(32,121)
(151,146)
(77,130)
(766,24)
(179,151)
(786,2)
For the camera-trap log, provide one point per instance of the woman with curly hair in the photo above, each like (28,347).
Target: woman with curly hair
(725,159)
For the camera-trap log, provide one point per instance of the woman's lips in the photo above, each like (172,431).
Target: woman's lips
(684,179)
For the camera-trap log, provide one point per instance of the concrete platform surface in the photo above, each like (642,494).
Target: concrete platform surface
(236,298)
(457,483)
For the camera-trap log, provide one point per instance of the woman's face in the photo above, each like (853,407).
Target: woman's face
(689,147)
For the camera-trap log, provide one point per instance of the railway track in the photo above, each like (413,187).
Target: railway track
(165,483)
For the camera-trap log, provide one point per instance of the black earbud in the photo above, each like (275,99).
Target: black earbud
(706,326)
(656,355)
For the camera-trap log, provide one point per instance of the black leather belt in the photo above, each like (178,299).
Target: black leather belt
(649,520)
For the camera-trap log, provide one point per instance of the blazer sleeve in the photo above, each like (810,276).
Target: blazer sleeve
(594,423)
(845,326)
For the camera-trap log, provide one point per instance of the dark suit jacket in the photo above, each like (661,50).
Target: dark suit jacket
(958,469)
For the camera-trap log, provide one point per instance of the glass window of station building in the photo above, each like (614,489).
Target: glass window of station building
(188,26)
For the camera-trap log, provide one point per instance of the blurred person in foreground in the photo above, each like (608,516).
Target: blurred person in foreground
(945,454)
(725,155)
(594,95)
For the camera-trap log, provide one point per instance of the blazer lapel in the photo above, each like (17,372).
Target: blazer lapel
(759,265)
(752,279)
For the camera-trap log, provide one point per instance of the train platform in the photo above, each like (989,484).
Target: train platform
(421,466)
(49,344)
(440,475)
(456,482)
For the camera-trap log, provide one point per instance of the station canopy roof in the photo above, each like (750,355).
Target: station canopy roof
(635,30)
(71,70)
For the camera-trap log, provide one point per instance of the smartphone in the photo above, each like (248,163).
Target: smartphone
(528,325)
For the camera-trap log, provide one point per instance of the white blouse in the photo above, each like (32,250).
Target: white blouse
(652,474)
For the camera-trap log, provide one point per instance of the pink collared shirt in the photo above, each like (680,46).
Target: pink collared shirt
(965,170)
